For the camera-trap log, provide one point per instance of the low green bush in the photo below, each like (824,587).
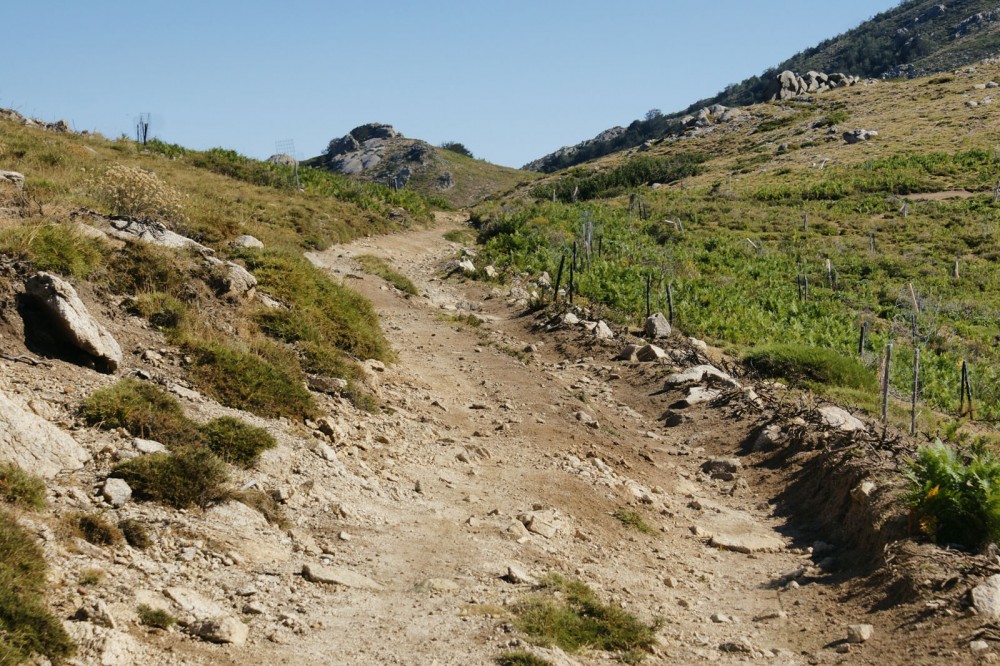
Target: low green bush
(21,489)
(569,614)
(242,379)
(56,248)
(155,617)
(193,476)
(143,409)
(135,533)
(26,626)
(235,441)
(521,658)
(805,366)
(955,500)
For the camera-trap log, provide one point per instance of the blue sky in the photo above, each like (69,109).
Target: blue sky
(511,79)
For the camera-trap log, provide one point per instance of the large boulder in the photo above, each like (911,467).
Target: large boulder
(13,177)
(35,444)
(657,326)
(70,316)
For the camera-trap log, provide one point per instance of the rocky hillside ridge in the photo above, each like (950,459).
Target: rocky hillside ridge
(914,39)
(379,153)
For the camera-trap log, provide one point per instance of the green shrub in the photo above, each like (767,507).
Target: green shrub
(803,365)
(577,619)
(242,379)
(26,626)
(193,476)
(142,409)
(376,266)
(235,441)
(95,529)
(633,520)
(162,310)
(155,617)
(21,489)
(456,147)
(135,533)
(955,500)
(56,248)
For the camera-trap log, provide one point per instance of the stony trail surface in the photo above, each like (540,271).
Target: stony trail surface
(503,453)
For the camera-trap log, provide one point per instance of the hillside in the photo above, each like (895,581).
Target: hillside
(916,38)
(378,153)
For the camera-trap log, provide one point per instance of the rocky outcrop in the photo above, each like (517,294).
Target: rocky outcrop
(859,135)
(788,84)
(282,159)
(14,116)
(35,444)
(543,163)
(14,178)
(68,313)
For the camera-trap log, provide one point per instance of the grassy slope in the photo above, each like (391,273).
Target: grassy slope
(737,295)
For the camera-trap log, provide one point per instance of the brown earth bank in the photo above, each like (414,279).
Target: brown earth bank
(509,441)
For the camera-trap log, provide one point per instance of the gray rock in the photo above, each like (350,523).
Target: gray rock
(859,135)
(628,353)
(246,241)
(542,522)
(699,394)
(34,444)
(657,326)
(198,606)
(13,177)
(698,374)
(586,419)
(318,573)
(859,633)
(97,612)
(722,466)
(603,332)
(516,574)
(986,597)
(570,319)
(466,266)
(328,385)
(72,318)
(225,629)
(650,353)
(839,419)
(117,492)
(147,446)
(747,543)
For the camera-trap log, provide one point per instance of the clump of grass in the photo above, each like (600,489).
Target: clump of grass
(26,626)
(461,236)
(575,619)
(807,366)
(155,617)
(93,528)
(633,520)
(132,191)
(21,489)
(165,312)
(135,533)
(374,265)
(91,576)
(242,379)
(465,319)
(193,476)
(521,658)
(57,248)
(955,500)
(235,441)
(143,409)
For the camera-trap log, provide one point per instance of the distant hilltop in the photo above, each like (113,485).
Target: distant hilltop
(378,152)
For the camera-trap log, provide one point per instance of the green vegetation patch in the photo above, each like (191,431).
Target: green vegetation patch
(376,266)
(135,533)
(568,614)
(955,498)
(56,248)
(193,476)
(95,529)
(638,171)
(21,489)
(236,441)
(142,409)
(26,626)
(633,520)
(806,366)
(521,658)
(155,617)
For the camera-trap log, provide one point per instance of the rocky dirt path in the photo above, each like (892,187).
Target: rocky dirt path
(486,438)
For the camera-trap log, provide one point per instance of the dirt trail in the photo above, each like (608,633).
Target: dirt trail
(480,437)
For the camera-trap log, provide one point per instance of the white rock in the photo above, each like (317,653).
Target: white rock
(986,597)
(700,373)
(34,444)
(699,394)
(200,607)
(318,573)
(570,319)
(839,419)
(226,629)
(747,543)
(657,326)
(117,492)
(73,319)
(603,332)
(516,574)
(246,241)
(859,633)
(13,177)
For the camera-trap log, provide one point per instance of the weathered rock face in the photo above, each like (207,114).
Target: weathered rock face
(70,315)
(657,326)
(859,135)
(35,444)
(13,177)
(788,84)
(283,159)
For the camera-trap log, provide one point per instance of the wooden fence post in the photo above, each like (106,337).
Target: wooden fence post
(885,383)
(916,386)
(555,293)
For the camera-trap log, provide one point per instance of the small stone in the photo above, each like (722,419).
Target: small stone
(863,491)
(517,575)
(721,618)
(603,332)
(670,582)
(146,446)
(657,326)
(224,629)
(586,419)
(859,633)
(317,573)
(117,492)
(979,646)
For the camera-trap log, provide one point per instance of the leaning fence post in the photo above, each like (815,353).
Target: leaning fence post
(885,383)
(861,342)
(670,303)
(916,386)
(555,294)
